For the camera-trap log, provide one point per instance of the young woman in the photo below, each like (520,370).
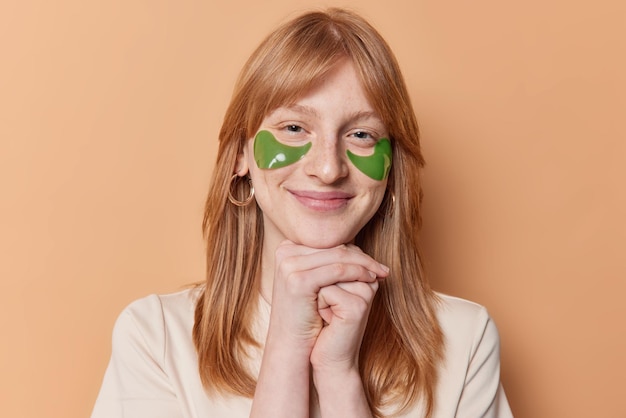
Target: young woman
(315,301)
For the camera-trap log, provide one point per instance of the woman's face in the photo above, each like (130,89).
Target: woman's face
(317,196)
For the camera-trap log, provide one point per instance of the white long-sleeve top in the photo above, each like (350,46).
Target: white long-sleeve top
(153,371)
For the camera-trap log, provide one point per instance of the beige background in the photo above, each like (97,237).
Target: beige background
(109,112)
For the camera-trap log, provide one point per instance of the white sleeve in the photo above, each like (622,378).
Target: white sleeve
(135,384)
(482,394)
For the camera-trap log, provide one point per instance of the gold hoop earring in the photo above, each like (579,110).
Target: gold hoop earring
(232,199)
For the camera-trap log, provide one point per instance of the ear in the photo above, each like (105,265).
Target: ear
(242,168)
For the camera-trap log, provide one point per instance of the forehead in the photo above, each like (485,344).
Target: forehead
(339,89)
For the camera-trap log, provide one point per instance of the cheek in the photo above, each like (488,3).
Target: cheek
(376,192)
(267,185)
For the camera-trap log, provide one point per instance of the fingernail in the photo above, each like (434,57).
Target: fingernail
(384,267)
(372,274)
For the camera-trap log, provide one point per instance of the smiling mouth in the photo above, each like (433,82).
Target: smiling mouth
(322,201)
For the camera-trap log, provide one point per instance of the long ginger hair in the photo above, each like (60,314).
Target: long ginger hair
(403,342)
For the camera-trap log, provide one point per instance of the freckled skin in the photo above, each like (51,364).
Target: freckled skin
(269,153)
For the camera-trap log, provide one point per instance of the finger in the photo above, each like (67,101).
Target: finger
(337,303)
(366,291)
(289,248)
(294,257)
(312,281)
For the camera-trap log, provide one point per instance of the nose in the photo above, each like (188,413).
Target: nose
(326,160)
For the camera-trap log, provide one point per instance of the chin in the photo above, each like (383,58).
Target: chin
(323,242)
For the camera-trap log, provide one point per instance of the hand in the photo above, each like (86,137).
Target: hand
(336,284)
(344,308)
(309,284)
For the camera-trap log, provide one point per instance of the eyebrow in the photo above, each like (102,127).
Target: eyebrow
(303,109)
(360,115)
(365,115)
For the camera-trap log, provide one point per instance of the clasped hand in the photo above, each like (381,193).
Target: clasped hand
(321,301)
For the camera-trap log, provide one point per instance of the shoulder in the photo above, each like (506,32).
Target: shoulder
(460,317)
(172,303)
(471,340)
(146,363)
(147,320)
(470,334)
(154,309)
(470,372)
(455,305)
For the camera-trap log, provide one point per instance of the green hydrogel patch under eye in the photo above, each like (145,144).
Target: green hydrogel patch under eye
(269,153)
(377,165)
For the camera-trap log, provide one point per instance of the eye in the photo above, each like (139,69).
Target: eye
(293,128)
(362,135)
(364,138)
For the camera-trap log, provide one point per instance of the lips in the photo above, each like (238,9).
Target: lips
(322,201)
